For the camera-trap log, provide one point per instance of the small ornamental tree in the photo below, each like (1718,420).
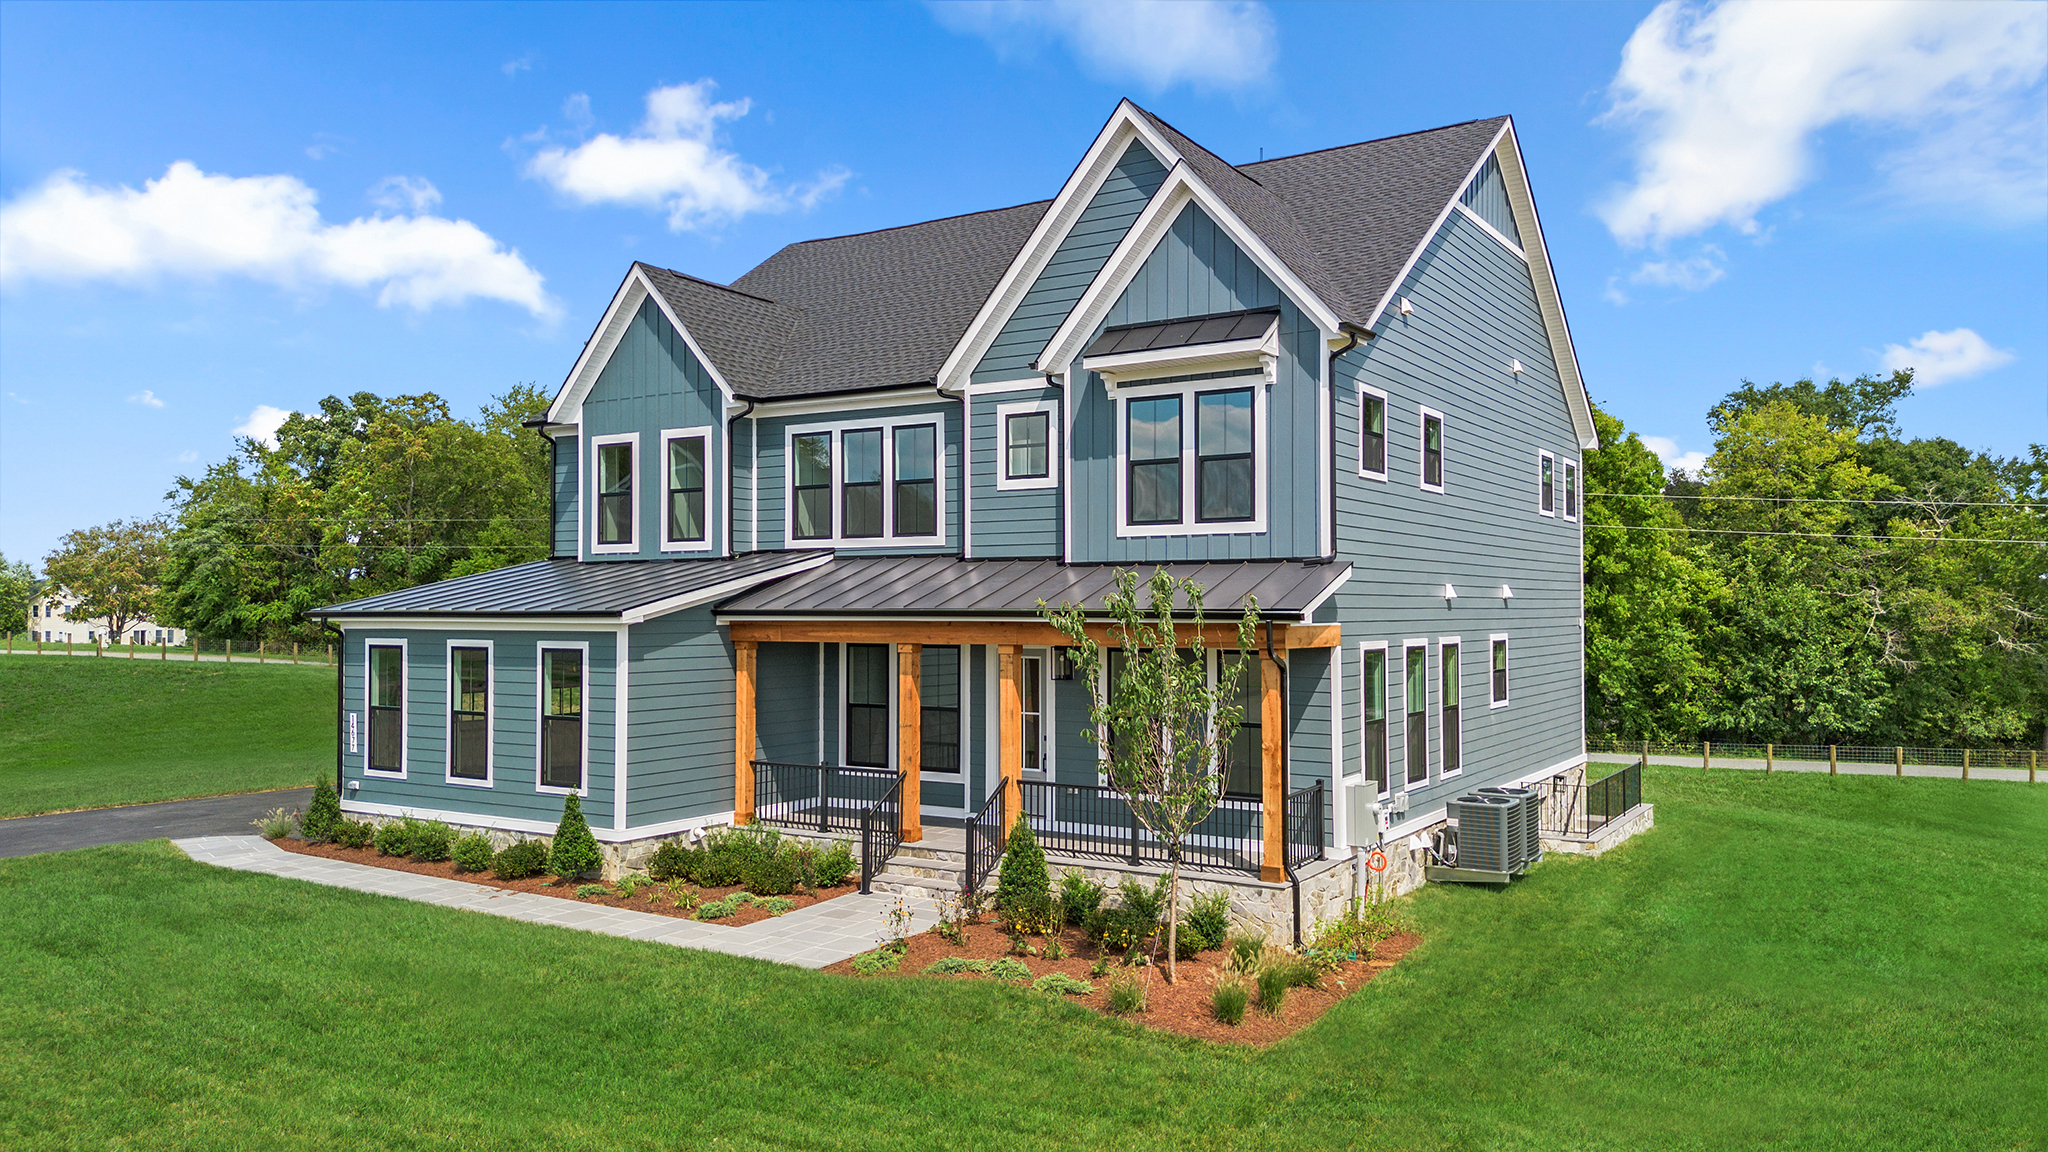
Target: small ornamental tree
(1024,886)
(323,815)
(1161,726)
(575,849)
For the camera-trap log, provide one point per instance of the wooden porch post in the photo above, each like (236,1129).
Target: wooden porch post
(1010,728)
(910,737)
(743,656)
(1273,752)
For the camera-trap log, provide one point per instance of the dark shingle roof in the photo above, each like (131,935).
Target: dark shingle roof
(1213,329)
(744,335)
(949,587)
(565,587)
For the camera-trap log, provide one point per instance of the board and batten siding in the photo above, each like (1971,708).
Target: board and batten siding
(1011,523)
(566,506)
(1487,195)
(1475,311)
(515,706)
(786,709)
(680,682)
(1073,266)
(1194,270)
(774,442)
(653,381)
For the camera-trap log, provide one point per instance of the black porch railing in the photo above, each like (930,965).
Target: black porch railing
(1302,831)
(816,797)
(1583,809)
(1614,796)
(881,832)
(986,834)
(1089,820)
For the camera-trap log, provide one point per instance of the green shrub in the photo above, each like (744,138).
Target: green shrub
(728,852)
(431,842)
(575,850)
(323,815)
(1145,903)
(1209,914)
(585,891)
(771,872)
(869,963)
(1246,952)
(1273,985)
(954,965)
(1188,942)
(1023,888)
(1062,983)
(1363,924)
(1080,896)
(472,853)
(520,860)
(831,867)
(1126,993)
(354,834)
(1228,998)
(1297,971)
(720,909)
(395,838)
(775,905)
(276,823)
(675,860)
(1008,969)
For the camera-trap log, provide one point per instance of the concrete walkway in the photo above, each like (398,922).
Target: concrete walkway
(807,938)
(134,823)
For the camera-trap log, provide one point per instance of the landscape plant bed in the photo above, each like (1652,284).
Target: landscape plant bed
(660,899)
(1183,1007)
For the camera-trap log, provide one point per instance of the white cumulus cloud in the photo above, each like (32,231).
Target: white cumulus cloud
(415,194)
(147,399)
(1727,101)
(1212,44)
(675,163)
(1667,451)
(263,423)
(194,224)
(1939,357)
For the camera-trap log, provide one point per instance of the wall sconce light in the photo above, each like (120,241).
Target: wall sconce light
(1507,593)
(1406,308)
(1062,664)
(1450,593)
(1515,366)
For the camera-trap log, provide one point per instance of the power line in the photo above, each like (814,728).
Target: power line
(1820,535)
(1826,500)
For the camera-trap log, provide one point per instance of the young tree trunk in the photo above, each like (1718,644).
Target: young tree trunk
(1173,921)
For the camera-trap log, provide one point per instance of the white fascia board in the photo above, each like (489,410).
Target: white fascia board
(1308,613)
(852,401)
(1125,124)
(677,603)
(1487,226)
(1180,187)
(1161,361)
(457,623)
(568,405)
(1523,200)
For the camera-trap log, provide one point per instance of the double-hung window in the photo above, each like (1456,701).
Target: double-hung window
(1500,670)
(1192,462)
(1571,490)
(1373,703)
(617,505)
(1546,484)
(686,458)
(880,483)
(1029,457)
(1432,450)
(469,713)
(1417,704)
(1447,662)
(1244,758)
(938,693)
(561,718)
(868,683)
(1372,433)
(387,708)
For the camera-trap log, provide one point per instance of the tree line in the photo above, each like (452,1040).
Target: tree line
(1821,580)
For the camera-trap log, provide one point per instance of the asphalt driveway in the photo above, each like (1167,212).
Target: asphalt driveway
(213,816)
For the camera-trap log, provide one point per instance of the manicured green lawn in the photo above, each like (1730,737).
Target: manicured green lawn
(86,732)
(1786,962)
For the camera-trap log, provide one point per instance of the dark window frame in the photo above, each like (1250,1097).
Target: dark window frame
(1546,484)
(380,715)
(554,724)
(1176,461)
(1011,446)
(468,761)
(1415,730)
(1498,672)
(1373,728)
(940,753)
(868,724)
(1372,442)
(898,486)
(702,490)
(1571,490)
(1432,458)
(868,489)
(798,488)
(608,497)
(1250,457)
(1450,706)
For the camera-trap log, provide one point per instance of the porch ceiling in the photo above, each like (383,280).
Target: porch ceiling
(950,588)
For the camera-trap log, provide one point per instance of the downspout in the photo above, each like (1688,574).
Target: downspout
(1286,865)
(1336,355)
(1059,522)
(554,472)
(732,422)
(340,712)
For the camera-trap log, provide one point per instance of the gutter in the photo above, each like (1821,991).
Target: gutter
(540,425)
(1354,332)
(732,421)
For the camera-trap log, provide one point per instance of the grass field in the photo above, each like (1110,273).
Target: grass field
(1788,962)
(88,733)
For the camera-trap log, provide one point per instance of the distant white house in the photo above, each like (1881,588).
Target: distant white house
(49,622)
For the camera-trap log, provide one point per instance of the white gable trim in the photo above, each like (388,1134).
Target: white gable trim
(1125,125)
(1515,178)
(1181,187)
(568,405)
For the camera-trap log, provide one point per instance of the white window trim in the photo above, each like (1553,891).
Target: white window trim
(490,715)
(711,492)
(1423,413)
(1541,458)
(1386,664)
(838,429)
(1458,643)
(1051,479)
(1502,639)
(596,504)
(1576,488)
(1386,455)
(404,708)
(1421,642)
(1188,525)
(540,711)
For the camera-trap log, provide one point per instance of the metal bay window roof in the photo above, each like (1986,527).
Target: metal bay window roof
(624,590)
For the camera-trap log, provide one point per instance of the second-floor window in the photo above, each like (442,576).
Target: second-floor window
(1191,459)
(686,455)
(1546,484)
(1571,491)
(1026,439)
(616,506)
(1432,450)
(1372,434)
(866,483)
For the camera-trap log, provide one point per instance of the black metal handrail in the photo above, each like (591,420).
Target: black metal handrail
(987,832)
(1614,796)
(1302,831)
(816,797)
(1091,820)
(881,832)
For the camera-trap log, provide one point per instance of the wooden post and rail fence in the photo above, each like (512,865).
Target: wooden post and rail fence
(264,652)
(1968,761)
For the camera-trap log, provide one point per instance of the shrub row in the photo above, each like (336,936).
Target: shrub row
(759,859)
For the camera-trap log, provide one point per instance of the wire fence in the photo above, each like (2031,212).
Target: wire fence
(1898,756)
(191,648)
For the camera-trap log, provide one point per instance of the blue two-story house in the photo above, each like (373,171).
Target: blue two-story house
(806,518)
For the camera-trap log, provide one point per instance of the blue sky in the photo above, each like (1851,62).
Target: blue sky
(210,213)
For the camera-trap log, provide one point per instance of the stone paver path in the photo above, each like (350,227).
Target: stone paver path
(812,937)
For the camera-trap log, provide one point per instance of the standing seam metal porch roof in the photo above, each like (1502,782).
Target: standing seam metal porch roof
(567,587)
(948,587)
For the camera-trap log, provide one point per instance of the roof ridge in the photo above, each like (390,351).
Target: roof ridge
(716,284)
(913,224)
(1363,143)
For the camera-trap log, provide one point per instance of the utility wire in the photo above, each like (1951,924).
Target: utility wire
(1820,535)
(1826,500)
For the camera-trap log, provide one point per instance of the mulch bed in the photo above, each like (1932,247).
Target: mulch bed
(655,898)
(1182,1007)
